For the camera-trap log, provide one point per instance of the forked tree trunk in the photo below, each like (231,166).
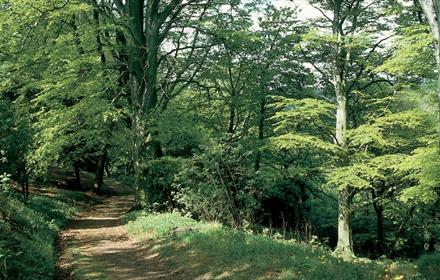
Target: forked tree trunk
(136,63)
(147,27)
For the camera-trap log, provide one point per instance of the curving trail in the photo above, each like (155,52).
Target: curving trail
(97,246)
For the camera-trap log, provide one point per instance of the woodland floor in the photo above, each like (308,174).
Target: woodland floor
(96,246)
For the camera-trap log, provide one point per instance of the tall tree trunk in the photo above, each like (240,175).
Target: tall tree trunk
(136,65)
(260,132)
(77,175)
(76,36)
(99,176)
(141,195)
(157,147)
(107,167)
(345,241)
(147,97)
(24,181)
(26,184)
(152,45)
(231,119)
(148,26)
(437,56)
(99,45)
(380,233)
(431,9)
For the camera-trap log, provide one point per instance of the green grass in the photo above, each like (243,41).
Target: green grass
(28,231)
(218,252)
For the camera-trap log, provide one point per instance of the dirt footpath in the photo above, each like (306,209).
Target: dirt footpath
(97,246)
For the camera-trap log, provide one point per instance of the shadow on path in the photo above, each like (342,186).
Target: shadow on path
(96,246)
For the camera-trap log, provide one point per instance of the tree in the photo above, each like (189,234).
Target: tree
(415,46)
(148,26)
(351,47)
(431,9)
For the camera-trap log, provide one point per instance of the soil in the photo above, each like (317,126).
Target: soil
(96,246)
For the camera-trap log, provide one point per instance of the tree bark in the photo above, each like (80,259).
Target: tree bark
(431,9)
(99,45)
(99,176)
(345,242)
(437,57)
(23,179)
(231,120)
(107,168)
(136,66)
(380,232)
(76,36)
(147,27)
(157,147)
(26,184)
(260,132)
(77,175)
(141,195)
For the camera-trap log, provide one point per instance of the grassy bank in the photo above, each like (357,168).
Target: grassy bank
(28,231)
(217,252)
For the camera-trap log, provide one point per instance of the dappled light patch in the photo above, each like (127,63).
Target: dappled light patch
(101,249)
(224,253)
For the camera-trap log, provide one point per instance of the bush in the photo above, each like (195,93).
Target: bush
(159,176)
(217,186)
(16,137)
(156,226)
(429,266)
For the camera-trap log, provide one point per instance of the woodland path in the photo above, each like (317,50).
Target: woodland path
(96,246)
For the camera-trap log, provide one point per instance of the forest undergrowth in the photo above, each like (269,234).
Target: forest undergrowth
(29,228)
(215,251)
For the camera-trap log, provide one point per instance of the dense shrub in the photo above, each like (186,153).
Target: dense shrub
(429,266)
(159,176)
(15,139)
(218,186)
